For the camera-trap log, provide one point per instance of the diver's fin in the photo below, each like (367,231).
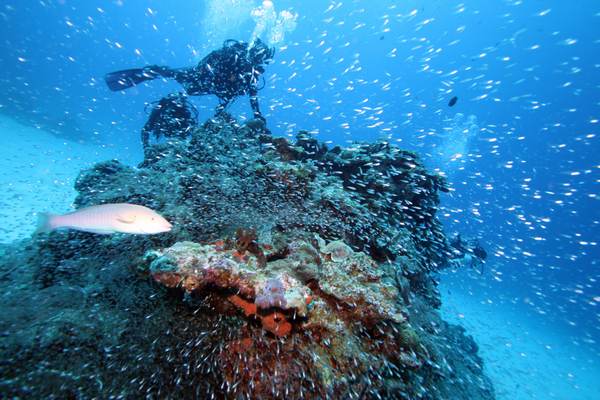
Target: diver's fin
(124,79)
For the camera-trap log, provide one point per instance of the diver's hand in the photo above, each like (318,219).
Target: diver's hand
(260,117)
(258,124)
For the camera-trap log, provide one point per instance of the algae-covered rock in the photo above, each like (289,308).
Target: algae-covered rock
(292,271)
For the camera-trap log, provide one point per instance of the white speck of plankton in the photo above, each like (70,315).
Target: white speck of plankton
(544,12)
(21,59)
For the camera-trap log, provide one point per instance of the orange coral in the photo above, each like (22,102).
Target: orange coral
(246,306)
(239,256)
(308,299)
(277,324)
(246,343)
(244,239)
(167,279)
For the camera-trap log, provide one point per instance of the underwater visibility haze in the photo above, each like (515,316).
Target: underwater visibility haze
(338,199)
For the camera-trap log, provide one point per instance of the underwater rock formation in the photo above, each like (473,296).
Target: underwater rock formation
(292,271)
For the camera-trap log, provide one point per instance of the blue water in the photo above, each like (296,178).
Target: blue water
(528,72)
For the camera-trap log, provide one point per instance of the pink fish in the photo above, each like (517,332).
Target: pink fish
(107,219)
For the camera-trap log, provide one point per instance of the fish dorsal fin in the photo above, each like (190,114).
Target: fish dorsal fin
(126,219)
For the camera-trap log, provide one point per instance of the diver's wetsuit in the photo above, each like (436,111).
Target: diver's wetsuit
(171,117)
(229,72)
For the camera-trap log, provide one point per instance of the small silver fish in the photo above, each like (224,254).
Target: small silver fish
(107,219)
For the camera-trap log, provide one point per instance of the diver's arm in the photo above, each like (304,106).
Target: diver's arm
(181,75)
(193,80)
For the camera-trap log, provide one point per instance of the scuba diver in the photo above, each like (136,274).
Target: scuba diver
(469,253)
(173,116)
(232,71)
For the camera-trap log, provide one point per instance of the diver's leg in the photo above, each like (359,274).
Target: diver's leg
(254,104)
(157,70)
(145,137)
(150,126)
(223,103)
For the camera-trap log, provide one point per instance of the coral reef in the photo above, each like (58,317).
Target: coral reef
(345,314)
(292,271)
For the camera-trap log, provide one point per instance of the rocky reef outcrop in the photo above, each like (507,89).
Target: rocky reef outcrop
(293,270)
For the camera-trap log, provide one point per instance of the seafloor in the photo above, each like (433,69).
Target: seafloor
(292,271)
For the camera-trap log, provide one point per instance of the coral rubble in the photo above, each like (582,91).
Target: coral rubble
(292,271)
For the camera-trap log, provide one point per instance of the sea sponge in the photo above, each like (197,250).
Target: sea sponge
(272,294)
(284,292)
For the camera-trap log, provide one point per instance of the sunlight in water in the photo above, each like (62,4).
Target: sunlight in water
(223,20)
(456,142)
(270,25)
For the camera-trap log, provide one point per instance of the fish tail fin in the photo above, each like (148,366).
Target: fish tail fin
(44,223)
